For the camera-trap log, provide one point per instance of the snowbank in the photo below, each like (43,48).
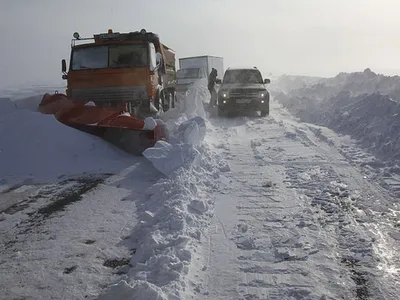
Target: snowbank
(175,212)
(181,151)
(37,147)
(187,126)
(362,105)
(172,219)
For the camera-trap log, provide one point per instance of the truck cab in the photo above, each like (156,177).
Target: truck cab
(132,72)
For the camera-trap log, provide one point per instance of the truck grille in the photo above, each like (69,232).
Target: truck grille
(110,94)
(244,93)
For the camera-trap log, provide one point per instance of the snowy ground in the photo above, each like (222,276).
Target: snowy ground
(266,208)
(296,219)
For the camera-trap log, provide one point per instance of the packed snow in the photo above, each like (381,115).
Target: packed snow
(228,208)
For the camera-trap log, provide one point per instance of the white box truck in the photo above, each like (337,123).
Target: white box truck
(205,62)
(195,70)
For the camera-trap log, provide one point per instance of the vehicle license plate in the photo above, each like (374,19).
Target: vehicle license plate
(243,100)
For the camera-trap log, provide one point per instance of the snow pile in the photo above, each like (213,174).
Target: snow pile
(187,126)
(192,105)
(173,218)
(362,105)
(37,147)
(174,214)
(169,157)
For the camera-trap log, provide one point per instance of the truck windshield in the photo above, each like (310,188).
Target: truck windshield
(187,73)
(110,56)
(242,76)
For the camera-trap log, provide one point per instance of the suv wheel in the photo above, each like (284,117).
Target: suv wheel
(221,113)
(264,113)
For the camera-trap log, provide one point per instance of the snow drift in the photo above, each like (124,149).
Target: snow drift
(187,127)
(172,219)
(37,147)
(175,211)
(363,105)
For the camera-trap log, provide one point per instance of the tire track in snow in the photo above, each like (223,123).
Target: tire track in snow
(385,213)
(271,247)
(296,241)
(296,216)
(378,259)
(351,200)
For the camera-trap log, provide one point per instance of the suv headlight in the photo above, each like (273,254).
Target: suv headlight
(262,94)
(224,94)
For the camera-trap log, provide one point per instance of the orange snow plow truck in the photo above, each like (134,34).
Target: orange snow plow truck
(117,85)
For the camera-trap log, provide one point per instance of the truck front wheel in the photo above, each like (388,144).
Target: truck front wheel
(158,101)
(166,100)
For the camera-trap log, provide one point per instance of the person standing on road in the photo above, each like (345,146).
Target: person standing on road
(212,78)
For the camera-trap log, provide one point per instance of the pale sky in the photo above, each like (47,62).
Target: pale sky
(307,37)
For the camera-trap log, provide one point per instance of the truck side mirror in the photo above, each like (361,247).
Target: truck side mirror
(64,69)
(218,81)
(63,66)
(266,81)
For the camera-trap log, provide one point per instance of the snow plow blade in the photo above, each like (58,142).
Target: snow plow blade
(131,134)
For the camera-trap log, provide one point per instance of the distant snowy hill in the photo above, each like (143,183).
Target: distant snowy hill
(364,105)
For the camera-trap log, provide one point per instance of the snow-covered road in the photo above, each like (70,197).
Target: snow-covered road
(295,219)
(270,209)
(70,240)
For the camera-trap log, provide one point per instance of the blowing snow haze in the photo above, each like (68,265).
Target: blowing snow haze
(310,37)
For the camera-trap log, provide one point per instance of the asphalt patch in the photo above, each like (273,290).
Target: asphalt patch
(70,196)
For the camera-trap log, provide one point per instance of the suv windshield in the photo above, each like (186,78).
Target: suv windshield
(110,56)
(242,76)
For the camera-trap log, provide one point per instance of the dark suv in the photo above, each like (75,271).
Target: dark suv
(243,90)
